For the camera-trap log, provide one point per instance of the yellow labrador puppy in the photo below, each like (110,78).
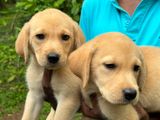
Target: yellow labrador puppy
(111,65)
(150,95)
(45,42)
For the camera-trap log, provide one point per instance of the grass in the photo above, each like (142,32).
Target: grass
(12,97)
(12,100)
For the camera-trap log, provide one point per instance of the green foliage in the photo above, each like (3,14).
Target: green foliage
(29,7)
(11,69)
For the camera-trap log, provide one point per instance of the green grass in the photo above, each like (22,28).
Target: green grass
(12,100)
(12,97)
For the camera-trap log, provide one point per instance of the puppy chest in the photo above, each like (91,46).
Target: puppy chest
(58,85)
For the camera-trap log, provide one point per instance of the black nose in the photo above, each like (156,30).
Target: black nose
(53,58)
(129,94)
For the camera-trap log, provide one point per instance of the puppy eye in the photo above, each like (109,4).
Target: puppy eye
(110,66)
(136,68)
(40,36)
(65,37)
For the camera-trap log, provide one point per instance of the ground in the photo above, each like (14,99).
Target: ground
(14,116)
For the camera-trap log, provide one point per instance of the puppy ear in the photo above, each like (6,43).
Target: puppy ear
(80,61)
(79,38)
(142,75)
(21,44)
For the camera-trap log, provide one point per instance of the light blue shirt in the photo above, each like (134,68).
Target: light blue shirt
(101,16)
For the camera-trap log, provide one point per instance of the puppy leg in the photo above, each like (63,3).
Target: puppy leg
(66,108)
(33,105)
(51,115)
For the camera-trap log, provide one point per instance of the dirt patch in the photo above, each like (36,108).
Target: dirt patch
(14,116)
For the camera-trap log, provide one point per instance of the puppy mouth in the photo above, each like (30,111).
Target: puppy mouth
(118,101)
(55,66)
(51,66)
(125,102)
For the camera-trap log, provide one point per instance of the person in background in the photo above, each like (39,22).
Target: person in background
(138,19)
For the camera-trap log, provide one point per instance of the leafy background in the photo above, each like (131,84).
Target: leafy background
(13,14)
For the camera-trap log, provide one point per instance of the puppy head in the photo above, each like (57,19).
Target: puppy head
(114,63)
(50,36)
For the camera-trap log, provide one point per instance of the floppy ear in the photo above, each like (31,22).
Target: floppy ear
(80,61)
(79,38)
(22,42)
(142,75)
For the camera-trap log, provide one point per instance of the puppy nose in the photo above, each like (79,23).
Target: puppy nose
(129,94)
(53,58)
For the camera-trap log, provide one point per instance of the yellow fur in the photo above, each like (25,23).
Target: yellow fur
(66,86)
